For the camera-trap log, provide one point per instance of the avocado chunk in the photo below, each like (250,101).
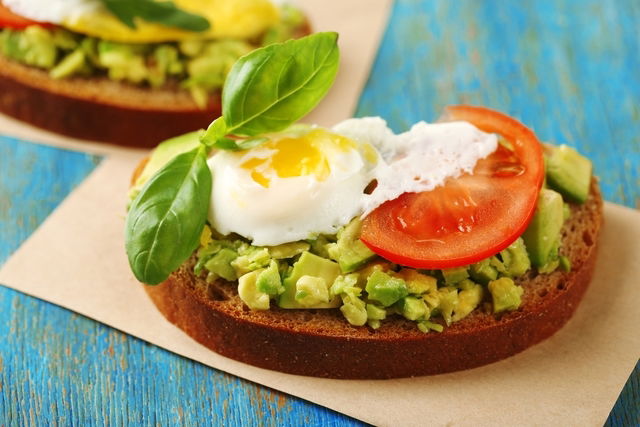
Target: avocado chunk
(220,264)
(413,308)
(70,64)
(123,61)
(418,283)
(483,272)
(515,259)
(349,250)
(468,300)
(455,275)
(505,294)
(543,233)
(374,315)
(448,302)
(426,326)
(32,46)
(319,246)
(385,289)
(569,173)
(288,250)
(268,281)
(353,308)
(314,266)
(311,291)
(564,263)
(343,283)
(249,292)
(250,258)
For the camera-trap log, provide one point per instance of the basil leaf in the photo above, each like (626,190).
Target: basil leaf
(272,87)
(165,221)
(161,12)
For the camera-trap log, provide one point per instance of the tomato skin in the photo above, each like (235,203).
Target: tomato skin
(472,217)
(9,19)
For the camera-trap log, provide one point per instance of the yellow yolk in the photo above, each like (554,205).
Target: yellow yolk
(300,156)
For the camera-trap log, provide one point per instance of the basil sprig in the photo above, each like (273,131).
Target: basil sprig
(273,87)
(266,91)
(161,12)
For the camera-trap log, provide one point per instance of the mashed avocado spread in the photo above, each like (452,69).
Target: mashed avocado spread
(339,271)
(199,66)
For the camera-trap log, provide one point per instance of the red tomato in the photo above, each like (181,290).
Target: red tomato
(9,19)
(471,217)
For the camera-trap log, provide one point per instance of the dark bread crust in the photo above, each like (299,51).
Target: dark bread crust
(100,109)
(321,343)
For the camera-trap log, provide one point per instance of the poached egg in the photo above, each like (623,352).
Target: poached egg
(311,180)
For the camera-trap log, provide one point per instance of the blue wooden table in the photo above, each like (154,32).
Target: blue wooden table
(569,69)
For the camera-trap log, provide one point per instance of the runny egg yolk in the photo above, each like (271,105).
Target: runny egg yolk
(309,154)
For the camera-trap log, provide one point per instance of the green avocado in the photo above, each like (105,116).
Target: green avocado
(455,275)
(311,291)
(250,258)
(70,64)
(288,250)
(468,299)
(385,289)
(353,308)
(349,250)
(569,173)
(483,272)
(515,259)
(123,61)
(220,264)
(505,294)
(543,233)
(249,292)
(448,302)
(33,46)
(268,281)
(413,308)
(418,283)
(313,266)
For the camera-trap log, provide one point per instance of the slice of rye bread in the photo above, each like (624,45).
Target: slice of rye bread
(101,109)
(321,343)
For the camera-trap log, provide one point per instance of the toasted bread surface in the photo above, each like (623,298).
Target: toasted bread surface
(321,343)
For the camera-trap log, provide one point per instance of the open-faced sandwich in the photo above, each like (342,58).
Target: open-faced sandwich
(354,252)
(128,72)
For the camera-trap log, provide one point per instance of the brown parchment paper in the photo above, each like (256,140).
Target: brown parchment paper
(360,23)
(573,378)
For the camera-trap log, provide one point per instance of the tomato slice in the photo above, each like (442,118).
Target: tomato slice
(471,217)
(9,19)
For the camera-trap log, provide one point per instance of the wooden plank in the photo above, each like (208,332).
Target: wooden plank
(568,69)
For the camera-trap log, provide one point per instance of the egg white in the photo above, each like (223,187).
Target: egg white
(52,11)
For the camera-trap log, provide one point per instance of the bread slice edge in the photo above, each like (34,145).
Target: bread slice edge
(321,343)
